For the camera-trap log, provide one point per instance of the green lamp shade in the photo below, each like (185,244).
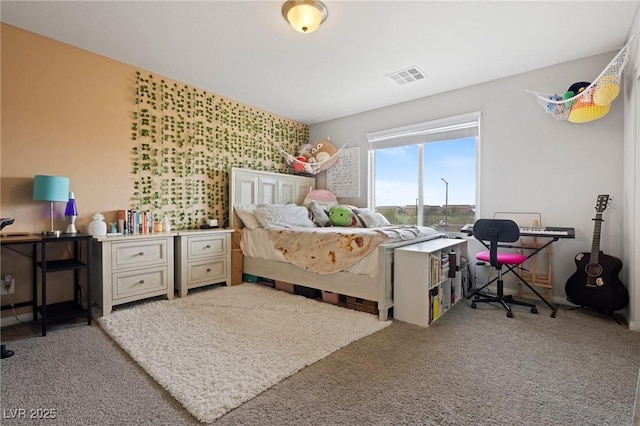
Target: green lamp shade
(50,188)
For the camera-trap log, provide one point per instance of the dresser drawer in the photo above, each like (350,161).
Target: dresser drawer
(210,272)
(139,254)
(206,247)
(139,282)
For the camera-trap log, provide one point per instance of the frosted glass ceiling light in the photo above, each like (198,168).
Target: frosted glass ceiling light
(305,16)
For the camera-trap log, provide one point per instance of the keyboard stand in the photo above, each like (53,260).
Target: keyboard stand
(511,268)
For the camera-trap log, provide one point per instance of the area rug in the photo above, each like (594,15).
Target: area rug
(215,349)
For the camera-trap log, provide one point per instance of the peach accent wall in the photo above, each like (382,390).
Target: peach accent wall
(67,112)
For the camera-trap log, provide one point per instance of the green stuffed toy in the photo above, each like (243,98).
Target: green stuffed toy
(342,216)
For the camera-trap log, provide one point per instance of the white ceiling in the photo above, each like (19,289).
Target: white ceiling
(246,50)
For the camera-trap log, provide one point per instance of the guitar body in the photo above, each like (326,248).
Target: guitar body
(596,285)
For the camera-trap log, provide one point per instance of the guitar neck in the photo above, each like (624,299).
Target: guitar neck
(595,244)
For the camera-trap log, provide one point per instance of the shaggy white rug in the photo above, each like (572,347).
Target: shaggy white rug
(215,349)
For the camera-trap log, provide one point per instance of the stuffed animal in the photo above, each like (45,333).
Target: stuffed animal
(584,101)
(326,199)
(582,112)
(578,87)
(583,108)
(552,106)
(299,164)
(321,151)
(304,150)
(342,216)
(299,161)
(606,90)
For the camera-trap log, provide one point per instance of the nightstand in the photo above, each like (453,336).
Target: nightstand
(202,258)
(76,262)
(132,267)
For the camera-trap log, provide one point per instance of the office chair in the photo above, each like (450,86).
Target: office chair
(497,231)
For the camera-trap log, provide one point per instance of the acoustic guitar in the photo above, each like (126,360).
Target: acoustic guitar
(595,284)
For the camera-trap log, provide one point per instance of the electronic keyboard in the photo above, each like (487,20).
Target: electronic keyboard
(536,231)
(547,231)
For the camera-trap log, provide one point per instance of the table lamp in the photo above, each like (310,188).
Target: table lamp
(52,189)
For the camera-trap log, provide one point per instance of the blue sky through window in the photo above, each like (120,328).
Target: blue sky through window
(396,173)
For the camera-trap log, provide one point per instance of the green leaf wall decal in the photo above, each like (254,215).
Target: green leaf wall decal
(185,140)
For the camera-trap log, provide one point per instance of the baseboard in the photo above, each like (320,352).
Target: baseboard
(13,320)
(633,326)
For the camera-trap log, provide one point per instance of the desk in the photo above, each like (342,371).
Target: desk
(10,240)
(65,310)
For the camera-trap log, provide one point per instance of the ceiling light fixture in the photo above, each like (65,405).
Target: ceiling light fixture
(305,16)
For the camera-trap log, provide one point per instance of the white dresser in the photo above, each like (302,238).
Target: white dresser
(132,267)
(203,257)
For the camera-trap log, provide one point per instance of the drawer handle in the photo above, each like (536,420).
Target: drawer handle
(208,269)
(141,253)
(207,246)
(141,282)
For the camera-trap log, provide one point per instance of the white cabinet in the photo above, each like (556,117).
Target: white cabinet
(430,277)
(202,258)
(132,267)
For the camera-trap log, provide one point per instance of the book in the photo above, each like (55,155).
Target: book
(121,217)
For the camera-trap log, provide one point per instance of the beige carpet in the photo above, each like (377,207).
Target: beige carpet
(216,349)
(472,367)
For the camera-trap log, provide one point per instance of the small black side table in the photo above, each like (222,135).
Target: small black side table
(76,263)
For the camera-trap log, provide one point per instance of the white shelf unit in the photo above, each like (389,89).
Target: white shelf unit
(430,277)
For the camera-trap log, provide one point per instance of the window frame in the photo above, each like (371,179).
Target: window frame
(440,130)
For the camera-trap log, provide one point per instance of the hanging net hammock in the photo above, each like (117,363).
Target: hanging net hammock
(585,101)
(312,159)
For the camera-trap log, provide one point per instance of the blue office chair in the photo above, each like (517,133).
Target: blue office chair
(491,232)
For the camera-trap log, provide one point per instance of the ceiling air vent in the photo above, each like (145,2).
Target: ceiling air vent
(407,75)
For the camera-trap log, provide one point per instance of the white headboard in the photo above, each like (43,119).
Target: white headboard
(256,187)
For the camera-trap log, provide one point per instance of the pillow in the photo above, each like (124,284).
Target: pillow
(373,219)
(318,215)
(283,216)
(246,214)
(358,211)
(342,215)
(326,199)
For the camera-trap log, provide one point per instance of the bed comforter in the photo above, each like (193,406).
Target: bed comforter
(329,250)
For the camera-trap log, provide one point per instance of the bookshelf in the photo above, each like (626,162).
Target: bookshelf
(430,277)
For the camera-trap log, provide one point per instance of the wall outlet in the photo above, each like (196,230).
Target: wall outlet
(8,285)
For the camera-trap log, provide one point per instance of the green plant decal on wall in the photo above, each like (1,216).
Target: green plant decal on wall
(185,141)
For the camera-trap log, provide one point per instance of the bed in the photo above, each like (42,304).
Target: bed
(371,278)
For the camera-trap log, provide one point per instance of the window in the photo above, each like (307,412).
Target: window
(425,173)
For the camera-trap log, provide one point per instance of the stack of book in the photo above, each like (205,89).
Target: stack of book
(135,222)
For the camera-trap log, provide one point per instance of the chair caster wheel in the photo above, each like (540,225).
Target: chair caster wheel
(509,314)
(473,305)
(534,310)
